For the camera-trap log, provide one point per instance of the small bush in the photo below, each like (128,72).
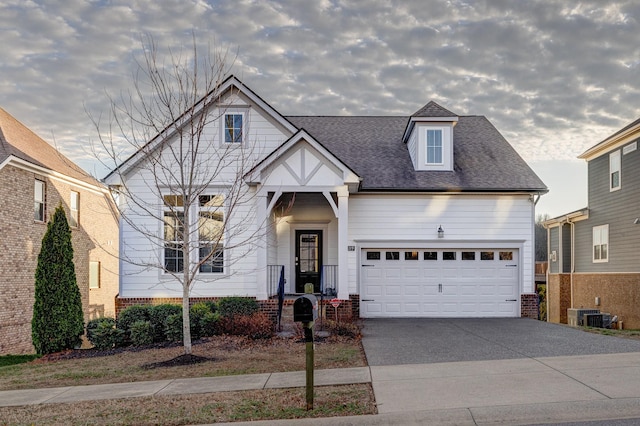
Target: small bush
(213,306)
(342,328)
(132,314)
(141,333)
(173,328)
(202,321)
(158,316)
(103,334)
(255,326)
(230,307)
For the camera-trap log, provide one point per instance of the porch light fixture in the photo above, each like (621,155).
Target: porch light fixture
(440,232)
(637,221)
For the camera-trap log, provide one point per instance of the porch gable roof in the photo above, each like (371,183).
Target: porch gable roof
(347,176)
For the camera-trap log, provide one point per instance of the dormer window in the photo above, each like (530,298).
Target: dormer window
(434,146)
(429,138)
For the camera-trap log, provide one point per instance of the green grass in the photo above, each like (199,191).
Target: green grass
(6,360)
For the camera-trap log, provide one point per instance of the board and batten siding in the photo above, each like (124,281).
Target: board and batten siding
(554,245)
(618,209)
(464,218)
(263,136)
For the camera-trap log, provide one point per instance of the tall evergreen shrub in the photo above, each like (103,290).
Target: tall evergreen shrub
(57,322)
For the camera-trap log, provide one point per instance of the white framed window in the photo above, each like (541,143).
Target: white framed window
(614,171)
(173,232)
(211,233)
(74,208)
(434,147)
(233,127)
(207,223)
(39,201)
(601,243)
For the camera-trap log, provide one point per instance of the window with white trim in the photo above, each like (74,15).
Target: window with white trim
(173,233)
(614,170)
(434,146)
(74,208)
(211,233)
(233,129)
(38,201)
(601,243)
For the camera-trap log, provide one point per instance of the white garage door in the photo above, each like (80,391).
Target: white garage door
(439,283)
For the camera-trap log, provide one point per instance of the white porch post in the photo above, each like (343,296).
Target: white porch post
(261,250)
(343,239)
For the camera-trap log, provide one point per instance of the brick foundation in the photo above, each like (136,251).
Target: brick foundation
(529,305)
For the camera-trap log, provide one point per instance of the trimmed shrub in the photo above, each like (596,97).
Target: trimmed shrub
(141,333)
(158,316)
(255,326)
(229,307)
(173,328)
(130,315)
(342,328)
(202,321)
(213,306)
(103,334)
(58,321)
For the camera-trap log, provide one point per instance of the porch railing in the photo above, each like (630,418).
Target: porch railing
(329,280)
(274,274)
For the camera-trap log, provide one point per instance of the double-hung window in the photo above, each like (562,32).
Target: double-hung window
(434,146)
(74,207)
(233,127)
(38,201)
(601,243)
(211,233)
(614,170)
(173,233)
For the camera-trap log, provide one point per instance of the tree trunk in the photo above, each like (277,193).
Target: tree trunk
(186,329)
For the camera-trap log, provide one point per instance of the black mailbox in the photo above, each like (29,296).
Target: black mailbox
(305,308)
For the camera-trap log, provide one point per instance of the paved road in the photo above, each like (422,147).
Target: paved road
(428,340)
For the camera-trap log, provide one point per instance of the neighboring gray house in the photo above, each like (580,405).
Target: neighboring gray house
(425,215)
(594,253)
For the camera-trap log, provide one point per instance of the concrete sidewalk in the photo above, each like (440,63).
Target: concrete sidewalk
(511,391)
(182,386)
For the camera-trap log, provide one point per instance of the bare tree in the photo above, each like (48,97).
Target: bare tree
(166,120)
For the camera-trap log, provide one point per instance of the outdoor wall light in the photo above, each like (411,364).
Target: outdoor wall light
(440,232)
(637,221)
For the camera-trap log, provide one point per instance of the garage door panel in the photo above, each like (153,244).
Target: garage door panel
(411,273)
(412,290)
(391,273)
(403,285)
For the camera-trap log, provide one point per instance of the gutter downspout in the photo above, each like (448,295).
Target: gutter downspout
(573,255)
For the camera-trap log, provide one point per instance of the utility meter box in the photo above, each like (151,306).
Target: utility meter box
(305,308)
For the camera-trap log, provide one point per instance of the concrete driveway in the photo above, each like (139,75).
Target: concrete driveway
(428,340)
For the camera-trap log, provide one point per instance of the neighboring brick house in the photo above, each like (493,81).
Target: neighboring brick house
(594,253)
(34,179)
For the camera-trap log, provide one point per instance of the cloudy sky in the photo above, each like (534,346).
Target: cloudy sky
(555,77)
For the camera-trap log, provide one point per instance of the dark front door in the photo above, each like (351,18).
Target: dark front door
(308,259)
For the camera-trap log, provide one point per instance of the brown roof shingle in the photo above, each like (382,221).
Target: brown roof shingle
(18,141)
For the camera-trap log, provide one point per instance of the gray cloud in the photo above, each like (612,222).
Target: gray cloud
(554,77)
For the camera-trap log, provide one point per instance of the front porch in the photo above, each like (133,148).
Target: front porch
(302,245)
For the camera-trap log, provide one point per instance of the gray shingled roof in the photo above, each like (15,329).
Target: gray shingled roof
(432,109)
(373,148)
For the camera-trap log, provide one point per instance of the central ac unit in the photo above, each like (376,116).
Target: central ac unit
(575,317)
